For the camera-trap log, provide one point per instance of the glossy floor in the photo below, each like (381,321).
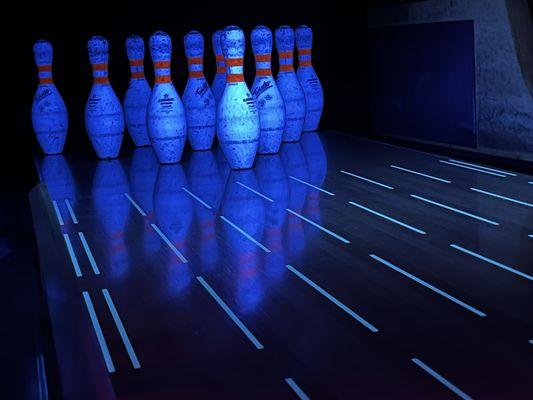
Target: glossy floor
(340,268)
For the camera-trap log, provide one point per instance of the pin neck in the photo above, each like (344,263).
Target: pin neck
(263,64)
(221,64)
(196,67)
(137,68)
(285,61)
(100,74)
(162,72)
(304,57)
(45,74)
(234,70)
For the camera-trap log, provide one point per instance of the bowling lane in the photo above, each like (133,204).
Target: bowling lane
(249,282)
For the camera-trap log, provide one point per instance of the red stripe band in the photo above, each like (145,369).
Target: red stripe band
(196,74)
(45,81)
(263,72)
(101,80)
(44,68)
(234,62)
(219,57)
(221,70)
(286,67)
(304,52)
(137,63)
(163,79)
(100,67)
(234,78)
(137,75)
(304,63)
(161,64)
(286,54)
(195,60)
(262,57)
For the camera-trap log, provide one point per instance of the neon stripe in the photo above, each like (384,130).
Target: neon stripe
(92,261)
(58,213)
(491,261)
(428,285)
(299,392)
(482,167)
(71,211)
(169,243)
(197,198)
(230,313)
(319,227)
(524,203)
(441,379)
(254,191)
(72,255)
(473,169)
(367,180)
(421,174)
(488,221)
(121,330)
(99,334)
(135,205)
(250,238)
(328,296)
(310,185)
(388,218)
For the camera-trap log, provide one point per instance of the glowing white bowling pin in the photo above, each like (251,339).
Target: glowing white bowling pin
(104,118)
(237,117)
(48,111)
(288,85)
(165,116)
(314,96)
(198,100)
(220,78)
(266,94)
(138,93)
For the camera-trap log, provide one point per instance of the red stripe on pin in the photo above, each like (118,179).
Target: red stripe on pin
(231,78)
(162,79)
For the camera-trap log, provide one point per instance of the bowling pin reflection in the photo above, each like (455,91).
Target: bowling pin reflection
(206,183)
(293,160)
(173,213)
(274,184)
(246,210)
(318,167)
(143,175)
(57,177)
(112,210)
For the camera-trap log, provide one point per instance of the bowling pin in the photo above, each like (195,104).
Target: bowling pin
(48,111)
(266,94)
(291,91)
(237,116)
(165,115)
(220,78)
(198,100)
(138,93)
(314,96)
(104,118)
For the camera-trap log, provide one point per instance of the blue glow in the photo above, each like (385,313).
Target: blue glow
(198,99)
(72,255)
(219,83)
(165,116)
(238,126)
(254,191)
(428,285)
(299,392)
(289,86)
(493,262)
(89,253)
(48,111)
(311,185)
(135,205)
(367,180)
(230,313)
(421,174)
(112,211)
(57,176)
(314,95)
(338,303)
(524,203)
(488,221)
(138,93)
(387,218)
(266,94)
(342,239)
(104,118)
(317,163)
(441,379)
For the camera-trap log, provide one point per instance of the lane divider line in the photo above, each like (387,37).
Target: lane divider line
(426,368)
(71,212)
(335,301)
(344,240)
(488,221)
(138,207)
(231,314)
(58,213)
(492,262)
(121,330)
(367,180)
(169,243)
(473,169)
(421,174)
(99,334)
(524,203)
(482,167)
(196,198)
(89,253)
(247,236)
(72,255)
(311,185)
(387,218)
(299,392)
(428,285)
(255,191)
